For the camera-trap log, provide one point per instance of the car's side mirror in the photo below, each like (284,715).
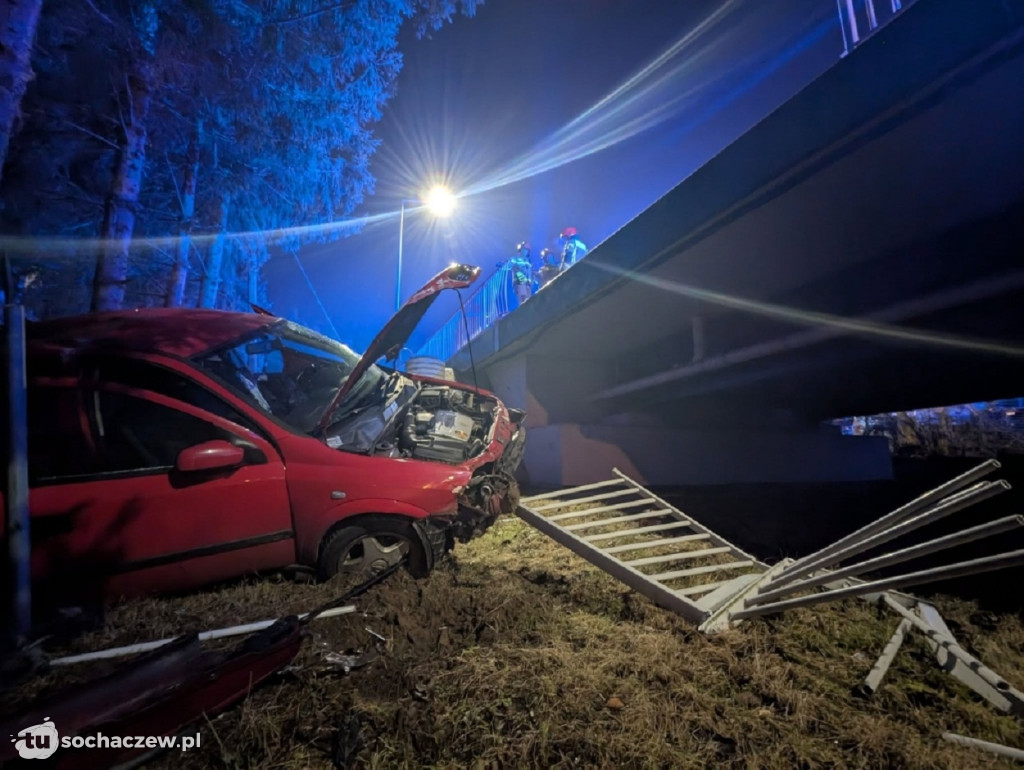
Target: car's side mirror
(210,455)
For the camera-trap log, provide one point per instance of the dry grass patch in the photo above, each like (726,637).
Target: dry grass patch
(519,654)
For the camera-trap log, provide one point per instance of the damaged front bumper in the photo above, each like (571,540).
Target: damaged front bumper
(487,496)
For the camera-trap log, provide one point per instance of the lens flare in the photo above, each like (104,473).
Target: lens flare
(681,79)
(827,321)
(46,247)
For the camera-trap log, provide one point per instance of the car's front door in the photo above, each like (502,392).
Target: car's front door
(112,508)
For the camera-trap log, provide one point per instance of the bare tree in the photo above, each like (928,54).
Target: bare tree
(214,264)
(119,214)
(18,22)
(179,273)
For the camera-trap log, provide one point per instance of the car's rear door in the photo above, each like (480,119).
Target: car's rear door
(110,508)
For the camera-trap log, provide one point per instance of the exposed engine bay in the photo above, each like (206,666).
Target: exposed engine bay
(430,422)
(437,423)
(446,424)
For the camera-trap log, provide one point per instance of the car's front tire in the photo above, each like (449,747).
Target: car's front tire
(359,551)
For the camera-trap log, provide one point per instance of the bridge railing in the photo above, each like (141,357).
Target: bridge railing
(487,305)
(860,19)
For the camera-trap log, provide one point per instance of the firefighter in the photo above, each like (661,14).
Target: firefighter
(548,267)
(573,249)
(522,272)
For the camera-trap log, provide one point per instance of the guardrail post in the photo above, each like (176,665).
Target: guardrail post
(16,494)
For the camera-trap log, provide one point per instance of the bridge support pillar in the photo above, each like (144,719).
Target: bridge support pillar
(548,388)
(569,454)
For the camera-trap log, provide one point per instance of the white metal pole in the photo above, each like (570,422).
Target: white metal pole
(16,508)
(852,16)
(900,514)
(872,18)
(398,275)
(960,569)
(995,748)
(881,667)
(842,28)
(946,508)
(952,540)
(219,633)
(950,644)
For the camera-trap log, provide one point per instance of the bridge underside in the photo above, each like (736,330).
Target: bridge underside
(887,198)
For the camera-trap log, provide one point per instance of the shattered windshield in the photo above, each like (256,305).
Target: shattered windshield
(288,371)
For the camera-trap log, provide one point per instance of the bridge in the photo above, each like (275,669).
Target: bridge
(859,250)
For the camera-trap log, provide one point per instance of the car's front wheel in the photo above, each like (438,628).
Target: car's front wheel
(357,552)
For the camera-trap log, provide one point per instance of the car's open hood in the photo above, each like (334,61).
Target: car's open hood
(396,332)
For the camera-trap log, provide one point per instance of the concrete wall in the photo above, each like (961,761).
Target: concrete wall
(548,388)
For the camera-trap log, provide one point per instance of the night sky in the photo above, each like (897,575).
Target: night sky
(486,104)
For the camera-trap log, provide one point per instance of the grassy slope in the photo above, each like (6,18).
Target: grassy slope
(519,654)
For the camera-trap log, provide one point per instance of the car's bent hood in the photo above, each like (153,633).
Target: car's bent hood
(396,332)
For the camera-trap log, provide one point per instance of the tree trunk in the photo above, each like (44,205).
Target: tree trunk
(256,257)
(211,281)
(179,273)
(119,216)
(18,22)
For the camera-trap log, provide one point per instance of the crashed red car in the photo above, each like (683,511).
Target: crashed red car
(172,448)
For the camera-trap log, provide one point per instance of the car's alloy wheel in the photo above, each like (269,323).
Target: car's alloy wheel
(361,551)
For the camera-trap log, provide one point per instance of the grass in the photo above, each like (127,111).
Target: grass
(516,653)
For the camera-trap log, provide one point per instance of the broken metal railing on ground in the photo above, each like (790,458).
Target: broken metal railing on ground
(821,568)
(639,538)
(653,547)
(659,538)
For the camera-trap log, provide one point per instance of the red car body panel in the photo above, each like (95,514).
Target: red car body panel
(161,529)
(133,526)
(318,476)
(169,331)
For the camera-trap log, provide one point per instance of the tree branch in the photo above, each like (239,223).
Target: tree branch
(94,135)
(314,13)
(99,13)
(177,190)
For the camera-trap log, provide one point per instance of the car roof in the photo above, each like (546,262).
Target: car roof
(171,331)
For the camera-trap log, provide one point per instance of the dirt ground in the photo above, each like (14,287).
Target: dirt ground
(516,653)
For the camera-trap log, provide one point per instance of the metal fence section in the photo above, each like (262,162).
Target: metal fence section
(792,587)
(648,544)
(651,546)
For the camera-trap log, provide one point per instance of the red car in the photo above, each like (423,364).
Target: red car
(174,448)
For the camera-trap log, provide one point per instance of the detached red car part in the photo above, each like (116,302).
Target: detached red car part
(159,694)
(174,448)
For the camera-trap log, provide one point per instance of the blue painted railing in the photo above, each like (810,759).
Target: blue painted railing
(487,305)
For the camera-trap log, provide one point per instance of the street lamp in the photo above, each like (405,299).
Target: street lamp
(440,202)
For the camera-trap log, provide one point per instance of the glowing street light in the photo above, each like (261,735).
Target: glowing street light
(440,202)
